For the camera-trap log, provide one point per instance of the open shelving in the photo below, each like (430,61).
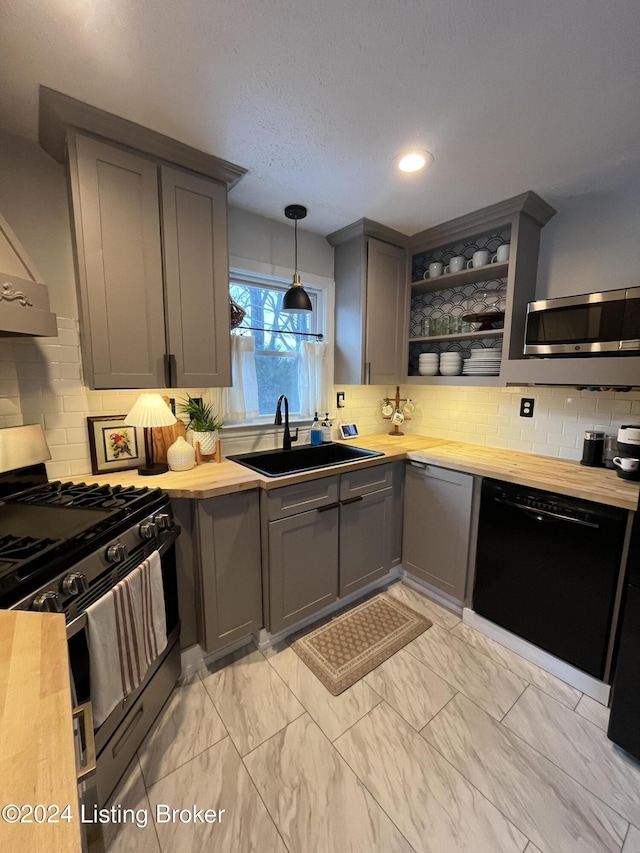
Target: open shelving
(517,220)
(458,336)
(488,272)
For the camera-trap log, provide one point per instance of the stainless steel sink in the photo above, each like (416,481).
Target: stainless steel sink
(278,463)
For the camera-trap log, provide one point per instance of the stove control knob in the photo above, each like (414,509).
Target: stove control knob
(163,520)
(47,602)
(117,553)
(74,584)
(149,529)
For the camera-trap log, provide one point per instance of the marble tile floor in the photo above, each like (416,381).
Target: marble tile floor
(453,744)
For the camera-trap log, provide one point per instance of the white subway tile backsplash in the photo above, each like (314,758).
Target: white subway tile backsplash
(622,407)
(76,404)
(67,452)
(63,420)
(56,437)
(58,470)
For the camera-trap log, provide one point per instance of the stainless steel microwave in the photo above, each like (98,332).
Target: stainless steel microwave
(593,324)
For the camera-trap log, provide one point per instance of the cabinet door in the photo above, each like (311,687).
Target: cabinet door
(437,519)
(303,566)
(117,223)
(196,259)
(230,574)
(385,311)
(366,539)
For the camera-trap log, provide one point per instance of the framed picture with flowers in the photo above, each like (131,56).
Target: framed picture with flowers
(114,446)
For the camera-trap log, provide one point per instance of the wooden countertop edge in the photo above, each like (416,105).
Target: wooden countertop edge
(37,755)
(598,485)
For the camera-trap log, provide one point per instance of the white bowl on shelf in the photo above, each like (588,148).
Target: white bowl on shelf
(423,370)
(451,370)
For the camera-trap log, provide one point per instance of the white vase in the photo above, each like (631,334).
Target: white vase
(208,441)
(181,456)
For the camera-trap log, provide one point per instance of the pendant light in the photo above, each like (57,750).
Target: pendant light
(296,299)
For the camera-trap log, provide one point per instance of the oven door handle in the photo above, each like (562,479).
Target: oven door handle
(76,625)
(84,713)
(545,512)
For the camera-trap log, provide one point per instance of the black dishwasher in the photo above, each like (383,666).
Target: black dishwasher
(547,569)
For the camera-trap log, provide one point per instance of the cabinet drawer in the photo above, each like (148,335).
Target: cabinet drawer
(363,481)
(290,500)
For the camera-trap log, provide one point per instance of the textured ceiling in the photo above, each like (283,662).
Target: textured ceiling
(317,98)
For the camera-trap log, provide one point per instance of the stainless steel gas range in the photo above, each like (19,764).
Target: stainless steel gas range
(63,546)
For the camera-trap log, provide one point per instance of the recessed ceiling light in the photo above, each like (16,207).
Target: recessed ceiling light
(415,161)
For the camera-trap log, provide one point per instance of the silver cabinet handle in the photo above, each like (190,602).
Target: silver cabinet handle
(367,373)
(84,713)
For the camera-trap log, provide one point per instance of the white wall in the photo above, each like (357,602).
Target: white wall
(268,241)
(592,243)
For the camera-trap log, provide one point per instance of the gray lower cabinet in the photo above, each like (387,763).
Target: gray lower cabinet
(152,264)
(303,565)
(366,524)
(327,538)
(437,521)
(229,571)
(370,524)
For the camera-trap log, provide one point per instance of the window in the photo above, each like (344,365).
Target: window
(278,351)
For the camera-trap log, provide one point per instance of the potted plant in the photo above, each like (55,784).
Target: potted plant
(203,425)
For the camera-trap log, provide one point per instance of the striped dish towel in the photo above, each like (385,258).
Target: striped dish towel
(127,631)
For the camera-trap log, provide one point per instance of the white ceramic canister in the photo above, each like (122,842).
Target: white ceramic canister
(181,456)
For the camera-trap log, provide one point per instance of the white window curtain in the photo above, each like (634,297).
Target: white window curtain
(242,397)
(314,378)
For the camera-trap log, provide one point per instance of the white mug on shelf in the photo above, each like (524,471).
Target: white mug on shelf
(479,259)
(397,418)
(456,264)
(434,270)
(501,255)
(626,463)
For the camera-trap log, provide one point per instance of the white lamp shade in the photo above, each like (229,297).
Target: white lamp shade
(150,410)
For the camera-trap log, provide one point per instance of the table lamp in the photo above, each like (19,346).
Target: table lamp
(150,411)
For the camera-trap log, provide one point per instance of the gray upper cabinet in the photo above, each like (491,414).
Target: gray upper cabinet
(117,223)
(144,326)
(437,523)
(385,312)
(194,228)
(371,303)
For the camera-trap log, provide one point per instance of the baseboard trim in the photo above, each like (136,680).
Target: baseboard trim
(266,640)
(194,658)
(434,594)
(593,687)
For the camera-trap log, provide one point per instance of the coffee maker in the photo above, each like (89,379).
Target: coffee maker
(627,461)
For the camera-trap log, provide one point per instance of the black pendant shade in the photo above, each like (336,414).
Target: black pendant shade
(296,299)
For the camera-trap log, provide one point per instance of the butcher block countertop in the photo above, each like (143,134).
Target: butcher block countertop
(37,756)
(543,472)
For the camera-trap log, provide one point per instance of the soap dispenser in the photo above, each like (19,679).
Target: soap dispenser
(316,432)
(326,429)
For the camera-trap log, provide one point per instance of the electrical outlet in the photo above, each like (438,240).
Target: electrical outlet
(526,407)
(340,399)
